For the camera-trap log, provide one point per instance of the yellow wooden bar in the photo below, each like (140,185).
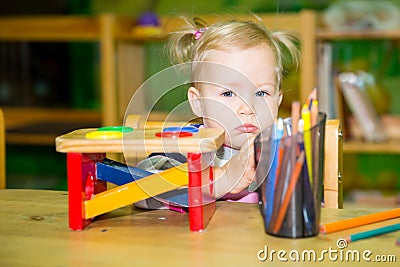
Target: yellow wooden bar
(135,191)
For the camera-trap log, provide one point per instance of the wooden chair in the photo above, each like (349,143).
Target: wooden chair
(2,152)
(333,169)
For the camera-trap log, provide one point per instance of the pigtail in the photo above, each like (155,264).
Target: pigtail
(288,47)
(181,42)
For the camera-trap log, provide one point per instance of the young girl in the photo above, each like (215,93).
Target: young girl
(237,68)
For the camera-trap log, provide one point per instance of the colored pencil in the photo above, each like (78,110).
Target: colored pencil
(314,113)
(295,116)
(305,115)
(360,221)
(293,224)
(280,158)
(312,96)
(300,128)
(373,232)
(292,185)
(308,206)
(282,179)
(271,178)
(294,221)
(315,140)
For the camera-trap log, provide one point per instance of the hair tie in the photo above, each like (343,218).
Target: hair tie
(197,34)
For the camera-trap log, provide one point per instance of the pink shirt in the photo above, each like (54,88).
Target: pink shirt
(244,196)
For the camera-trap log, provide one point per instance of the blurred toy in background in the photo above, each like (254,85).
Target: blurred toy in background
(354,87)
(362,14)
(376,93)
(369,81)
(147,24)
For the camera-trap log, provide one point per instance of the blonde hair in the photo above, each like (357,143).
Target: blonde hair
(225,35)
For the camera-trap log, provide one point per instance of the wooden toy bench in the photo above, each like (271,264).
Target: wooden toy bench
(89,197)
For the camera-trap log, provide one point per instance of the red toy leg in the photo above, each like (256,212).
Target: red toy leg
(82,185)
(202,203)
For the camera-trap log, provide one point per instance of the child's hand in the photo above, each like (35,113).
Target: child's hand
(238,173)
(241,168)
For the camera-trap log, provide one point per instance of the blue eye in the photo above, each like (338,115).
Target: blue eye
(228,94)
(261,94)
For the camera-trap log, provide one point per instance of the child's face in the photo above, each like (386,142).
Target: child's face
(239,94)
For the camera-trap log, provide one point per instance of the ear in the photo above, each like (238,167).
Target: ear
(280,97)
(195,101)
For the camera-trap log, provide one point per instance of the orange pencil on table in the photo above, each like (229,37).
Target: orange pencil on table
(292,185)
(360,221)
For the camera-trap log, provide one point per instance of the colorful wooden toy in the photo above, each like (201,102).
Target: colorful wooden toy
(89,171)
(120,173)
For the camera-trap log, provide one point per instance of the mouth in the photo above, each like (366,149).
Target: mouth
(247,128)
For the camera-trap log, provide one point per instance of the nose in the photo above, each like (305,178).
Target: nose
(246,108)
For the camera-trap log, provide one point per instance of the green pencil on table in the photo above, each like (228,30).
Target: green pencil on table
(374,232)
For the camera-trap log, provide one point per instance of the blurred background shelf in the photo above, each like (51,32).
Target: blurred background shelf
(356,144)
(359,146)
(101,29)
(122,58)
(327,35)
(121,49)
(40,126)
(349,42)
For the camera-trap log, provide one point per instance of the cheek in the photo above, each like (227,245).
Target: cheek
(211,123)
(267,112)
(222,112)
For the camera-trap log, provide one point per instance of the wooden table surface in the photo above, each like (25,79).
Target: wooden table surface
(34,232)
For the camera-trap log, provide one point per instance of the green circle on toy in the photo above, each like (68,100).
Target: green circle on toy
(122,129)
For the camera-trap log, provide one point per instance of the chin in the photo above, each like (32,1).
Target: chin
(237,145)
